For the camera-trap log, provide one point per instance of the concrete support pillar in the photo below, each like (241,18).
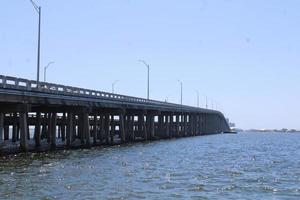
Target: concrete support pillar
(37,130)
(131,128)
(102,129)
(196,125)
(107,132)
(122,128)
(53,130)
(95,128)
(70,127)
(191,125)
(147,124)
(206,124)
(160,125)
(167,126)
(49,128)
(44,129)
(1,127)
(171,126)
(63,128)
(200,124)
(6,132)
(112,128)
(59,132)
(75,128)
(185,125)
(28,128)
(151,126)
(81,127)
(127,127)
(145,131)
(140,124)
(86,129)
(15,128)
(177,125)
(23,132)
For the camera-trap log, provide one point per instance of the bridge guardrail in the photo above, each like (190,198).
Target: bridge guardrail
(30,85)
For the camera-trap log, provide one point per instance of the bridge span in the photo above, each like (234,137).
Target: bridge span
(54,116)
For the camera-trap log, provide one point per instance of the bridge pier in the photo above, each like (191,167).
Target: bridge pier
(6,132)
(95,129)
(49,128)
(191,125)
(86,129)
(1,127)
(102,129)
(15,127)
(113,128)
(122,127)
(167,125)
(171,127)
(151,126)
(70,127)
(107,131)
(53,130)
(23,132)
(37,130)
(131,128)
(185,125)
(63,128)
(177,125)
(197,125)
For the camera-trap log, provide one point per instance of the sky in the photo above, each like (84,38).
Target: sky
(242,54)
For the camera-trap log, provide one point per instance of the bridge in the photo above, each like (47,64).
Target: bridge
(54,116)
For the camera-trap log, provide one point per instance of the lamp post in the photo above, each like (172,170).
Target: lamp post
(39,11)
(181,87)
(45,70)
(148,76)
(113,86)
(197,98)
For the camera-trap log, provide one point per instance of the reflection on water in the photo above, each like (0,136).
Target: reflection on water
(243,166)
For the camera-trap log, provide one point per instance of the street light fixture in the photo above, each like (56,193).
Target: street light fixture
(148,85)
(113,86)
(181,87)
(45,70)
(39,11)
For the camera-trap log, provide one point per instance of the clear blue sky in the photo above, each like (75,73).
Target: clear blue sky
(243,54)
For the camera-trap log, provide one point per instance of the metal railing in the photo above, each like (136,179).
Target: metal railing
(8,82)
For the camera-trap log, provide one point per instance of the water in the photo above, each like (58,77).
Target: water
(243,166)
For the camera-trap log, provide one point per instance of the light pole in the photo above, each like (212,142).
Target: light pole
(167,99)
(206,102)
(113,86)
(181,87)
(148,84)
(45,70)
(197,98)
(39,11)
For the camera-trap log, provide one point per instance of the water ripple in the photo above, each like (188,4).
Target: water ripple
(244,166)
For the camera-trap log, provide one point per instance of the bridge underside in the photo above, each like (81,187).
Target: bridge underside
(40,120)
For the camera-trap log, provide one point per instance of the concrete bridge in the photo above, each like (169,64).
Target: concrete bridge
(56,116)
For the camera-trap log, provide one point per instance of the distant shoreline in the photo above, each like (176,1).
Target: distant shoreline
(270,131)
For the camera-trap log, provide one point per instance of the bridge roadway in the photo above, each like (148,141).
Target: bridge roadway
(57,116)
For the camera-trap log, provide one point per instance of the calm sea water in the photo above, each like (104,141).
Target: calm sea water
(243,166)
